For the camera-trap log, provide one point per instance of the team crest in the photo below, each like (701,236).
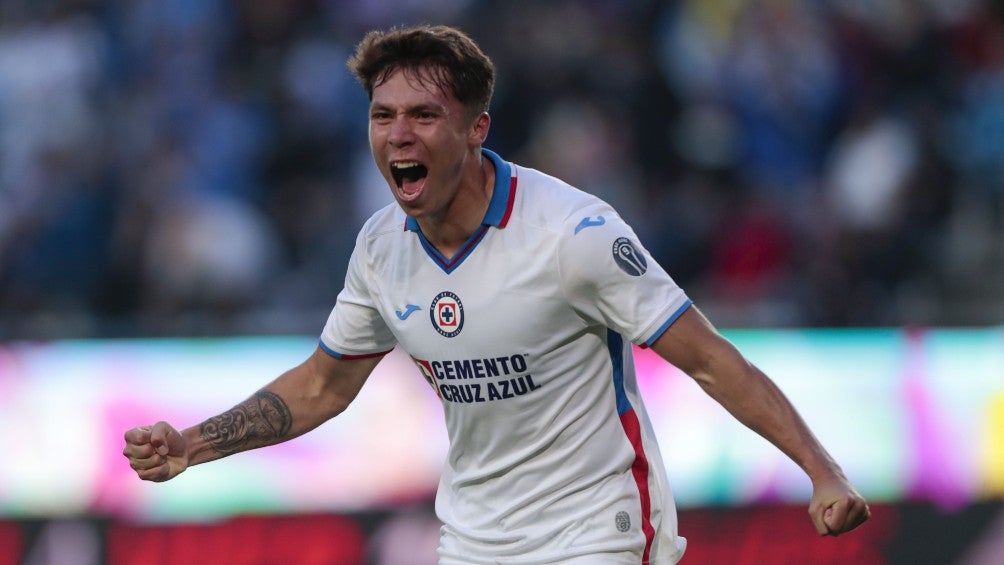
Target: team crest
(628,258)
(447,314)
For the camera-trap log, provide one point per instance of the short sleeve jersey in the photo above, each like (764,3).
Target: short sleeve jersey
(525,335)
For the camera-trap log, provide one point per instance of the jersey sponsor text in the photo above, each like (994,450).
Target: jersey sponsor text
(490,369)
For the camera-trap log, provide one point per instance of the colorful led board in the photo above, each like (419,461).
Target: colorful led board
(915,414)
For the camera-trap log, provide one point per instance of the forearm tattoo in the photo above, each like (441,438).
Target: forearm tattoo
(261,420)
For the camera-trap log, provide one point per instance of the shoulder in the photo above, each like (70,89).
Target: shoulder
(384,222)
(583,229)
(547,202)
(383,232)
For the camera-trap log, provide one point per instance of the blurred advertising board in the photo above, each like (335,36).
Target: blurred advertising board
(912,415)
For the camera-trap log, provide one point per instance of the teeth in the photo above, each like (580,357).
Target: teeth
(405,164)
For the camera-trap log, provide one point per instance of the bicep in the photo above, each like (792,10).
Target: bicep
(344,376)
(693,345)
(323,383)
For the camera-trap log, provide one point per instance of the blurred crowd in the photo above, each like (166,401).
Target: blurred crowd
(200,167)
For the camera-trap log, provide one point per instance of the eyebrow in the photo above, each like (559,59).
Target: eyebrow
(437,108)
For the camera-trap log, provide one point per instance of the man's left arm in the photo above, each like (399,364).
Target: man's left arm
(693,345)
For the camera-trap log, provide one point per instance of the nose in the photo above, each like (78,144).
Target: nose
(400,133)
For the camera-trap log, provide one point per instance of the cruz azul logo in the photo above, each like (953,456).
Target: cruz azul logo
(447,314)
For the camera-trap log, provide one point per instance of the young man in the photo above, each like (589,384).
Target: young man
(519,298)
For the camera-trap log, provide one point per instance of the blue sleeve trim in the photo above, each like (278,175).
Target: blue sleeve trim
(345,357)
(665,326)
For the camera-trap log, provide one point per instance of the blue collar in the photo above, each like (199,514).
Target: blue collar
(501,204)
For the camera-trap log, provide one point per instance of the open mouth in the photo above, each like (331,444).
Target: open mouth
(409,176)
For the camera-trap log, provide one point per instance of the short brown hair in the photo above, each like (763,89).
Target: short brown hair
(456,62)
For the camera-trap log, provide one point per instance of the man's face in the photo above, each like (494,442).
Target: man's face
(421,138)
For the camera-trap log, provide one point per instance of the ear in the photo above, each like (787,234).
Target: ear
(479,129)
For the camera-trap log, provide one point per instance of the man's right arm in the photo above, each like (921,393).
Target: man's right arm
(296,402)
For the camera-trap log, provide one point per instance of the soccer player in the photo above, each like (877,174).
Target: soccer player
(519,298)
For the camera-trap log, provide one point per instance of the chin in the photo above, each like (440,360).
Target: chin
(410,207)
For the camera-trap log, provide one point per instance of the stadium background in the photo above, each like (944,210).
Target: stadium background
(198,169)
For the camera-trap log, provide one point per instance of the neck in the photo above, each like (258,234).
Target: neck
(467,211)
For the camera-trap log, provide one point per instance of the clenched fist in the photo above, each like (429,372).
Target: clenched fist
(158,453)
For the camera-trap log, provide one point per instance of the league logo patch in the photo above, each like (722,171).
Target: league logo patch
(447,314)
(628,258)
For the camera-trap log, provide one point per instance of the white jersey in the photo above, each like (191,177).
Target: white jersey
(526,337)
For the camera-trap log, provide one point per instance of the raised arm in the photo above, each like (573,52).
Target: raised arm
(693,345)
(296,402)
